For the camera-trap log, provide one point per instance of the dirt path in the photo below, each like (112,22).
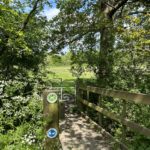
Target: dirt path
(78,134)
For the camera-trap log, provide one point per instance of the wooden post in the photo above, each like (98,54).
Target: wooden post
(88,97)
(61,93)
(78,95)
(77,98)
(62,110)
(82,107)
(51,120)
(123,115)
(75,93)
(99,114)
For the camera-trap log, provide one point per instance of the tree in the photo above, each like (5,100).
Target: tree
(56,60)
(131,65)
(23,40)
(66,58)
(85,25)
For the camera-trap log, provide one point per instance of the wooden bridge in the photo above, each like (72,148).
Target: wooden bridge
(77,131)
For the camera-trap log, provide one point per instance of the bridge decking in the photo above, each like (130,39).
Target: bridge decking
(77,133)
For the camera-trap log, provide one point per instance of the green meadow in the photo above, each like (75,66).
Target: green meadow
(64,73)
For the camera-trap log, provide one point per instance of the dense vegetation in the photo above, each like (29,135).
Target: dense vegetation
(23,47)
(108,38)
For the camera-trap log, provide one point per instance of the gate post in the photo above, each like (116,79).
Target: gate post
(51,120)
(78,95)
(100,116)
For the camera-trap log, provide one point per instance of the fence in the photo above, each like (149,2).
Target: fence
(124,97)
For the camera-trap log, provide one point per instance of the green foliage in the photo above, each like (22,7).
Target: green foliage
(131,65)
(21,123)
(66,58)
(60,59)
(22,51)
(55,60)
(18,44)
(109,38)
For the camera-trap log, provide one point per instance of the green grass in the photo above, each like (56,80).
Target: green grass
(63,72)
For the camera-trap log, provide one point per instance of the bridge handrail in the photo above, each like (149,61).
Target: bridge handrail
(131,97)
(124,96)
(134,126)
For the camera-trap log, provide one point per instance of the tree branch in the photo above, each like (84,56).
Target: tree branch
(115,8)
(139,12)
(109,5)
(30,15)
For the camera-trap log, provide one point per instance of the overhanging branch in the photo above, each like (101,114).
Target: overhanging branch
(30,15)
(115,8)
(139,12)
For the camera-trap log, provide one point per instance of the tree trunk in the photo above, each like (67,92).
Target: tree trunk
(106,49)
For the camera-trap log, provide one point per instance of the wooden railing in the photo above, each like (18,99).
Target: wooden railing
(124,97)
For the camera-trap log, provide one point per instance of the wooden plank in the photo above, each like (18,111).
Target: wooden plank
(131,97)
(103,131)
(134,126)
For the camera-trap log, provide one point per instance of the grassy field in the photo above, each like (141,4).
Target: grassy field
(63,72)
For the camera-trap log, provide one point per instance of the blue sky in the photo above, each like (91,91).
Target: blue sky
(51,12)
